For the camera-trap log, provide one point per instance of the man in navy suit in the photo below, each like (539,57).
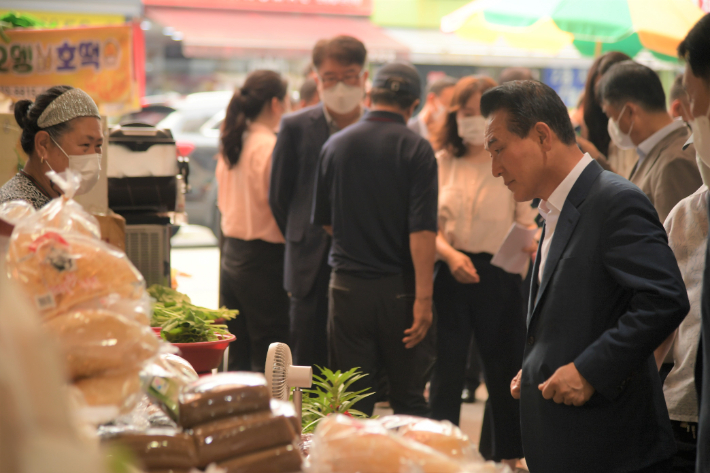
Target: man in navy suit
(606,292)
(339,63)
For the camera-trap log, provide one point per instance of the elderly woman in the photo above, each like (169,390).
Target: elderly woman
(61,130)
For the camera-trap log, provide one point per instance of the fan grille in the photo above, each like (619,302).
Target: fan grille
(279,388)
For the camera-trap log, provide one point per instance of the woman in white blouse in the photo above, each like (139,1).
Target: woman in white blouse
(473,297)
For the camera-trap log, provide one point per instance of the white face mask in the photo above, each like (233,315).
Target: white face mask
(621,140)
(342,98)
(701,141)
(472,129)
(88,166)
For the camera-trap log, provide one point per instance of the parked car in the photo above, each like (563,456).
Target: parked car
(196,121)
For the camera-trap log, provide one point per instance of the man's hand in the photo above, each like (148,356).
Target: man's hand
(422,321)
(462,268)
(515,385)
(567,386)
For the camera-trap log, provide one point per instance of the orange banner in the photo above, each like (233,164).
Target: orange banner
(97,60)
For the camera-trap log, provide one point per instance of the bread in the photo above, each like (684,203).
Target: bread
(60,271)
(222,395)
(115,389)
(285,459)
(94,342)
(163,448)
(238,436)
(441,436)
(345,445)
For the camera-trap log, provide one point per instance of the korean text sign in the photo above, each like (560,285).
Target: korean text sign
(97,60)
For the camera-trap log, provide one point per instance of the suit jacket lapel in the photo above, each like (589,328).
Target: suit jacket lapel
(534,285)
(565,227)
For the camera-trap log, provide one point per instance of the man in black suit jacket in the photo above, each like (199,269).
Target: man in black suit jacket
(339,63)
(606,292)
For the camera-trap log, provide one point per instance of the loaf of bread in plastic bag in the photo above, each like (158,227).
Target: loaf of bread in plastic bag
(59,271)
(240,435)
(342,444)
(222,395)
(162,448)
(284,459)
(94,342)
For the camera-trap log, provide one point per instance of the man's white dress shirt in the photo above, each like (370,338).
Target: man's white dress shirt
(551,208)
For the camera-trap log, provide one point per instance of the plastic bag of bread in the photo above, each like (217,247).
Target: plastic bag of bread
(164,378)
(61,270)
(139,310)
(442,436)
(119,389)
(342,444)
(222,395)
(62,214)
(15,211)
(97,342)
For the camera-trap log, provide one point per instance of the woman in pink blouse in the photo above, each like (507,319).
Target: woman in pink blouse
(251,273)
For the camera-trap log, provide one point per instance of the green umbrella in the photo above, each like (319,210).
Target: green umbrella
(593,26)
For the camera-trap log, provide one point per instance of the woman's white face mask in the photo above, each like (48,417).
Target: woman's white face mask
(472,129)
(88,166)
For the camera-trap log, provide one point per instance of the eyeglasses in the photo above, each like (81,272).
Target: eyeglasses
(351,78)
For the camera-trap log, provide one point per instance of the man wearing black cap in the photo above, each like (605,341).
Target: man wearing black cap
(376,191)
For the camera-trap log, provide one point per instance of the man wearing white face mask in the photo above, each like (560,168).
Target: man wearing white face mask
(438,99)
(695,51)
(632,97)
(341,77)
(473,297)
(60,130)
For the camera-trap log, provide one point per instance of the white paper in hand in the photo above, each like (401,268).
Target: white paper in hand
(510,256)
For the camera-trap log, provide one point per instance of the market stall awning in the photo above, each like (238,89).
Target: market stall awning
(223,33)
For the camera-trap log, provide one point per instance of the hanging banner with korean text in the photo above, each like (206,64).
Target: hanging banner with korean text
(97,60)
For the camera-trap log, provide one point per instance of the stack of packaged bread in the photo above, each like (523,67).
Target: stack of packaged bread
(228,420)
(91,298)
(399,444)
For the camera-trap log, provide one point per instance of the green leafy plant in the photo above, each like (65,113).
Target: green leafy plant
(331,396)
(183,322)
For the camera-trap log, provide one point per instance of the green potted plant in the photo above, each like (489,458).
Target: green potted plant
(331,396)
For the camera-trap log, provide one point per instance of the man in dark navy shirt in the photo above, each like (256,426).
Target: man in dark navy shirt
(376,192)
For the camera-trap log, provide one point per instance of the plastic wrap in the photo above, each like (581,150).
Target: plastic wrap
(342,444)
(121,389)
(284,459)
(156,448)
(164,378)
(240,435)
(59,271)
(16,211)
(222,395)
(442,436)
(139,309)
(97,342)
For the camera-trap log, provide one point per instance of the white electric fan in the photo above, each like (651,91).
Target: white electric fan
(282,376)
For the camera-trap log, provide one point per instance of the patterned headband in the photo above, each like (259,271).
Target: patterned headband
(71,104)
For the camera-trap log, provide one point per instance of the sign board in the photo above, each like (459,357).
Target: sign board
(327,7)
(97,60)
(568,83)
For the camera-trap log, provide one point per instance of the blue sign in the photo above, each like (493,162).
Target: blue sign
(568,83)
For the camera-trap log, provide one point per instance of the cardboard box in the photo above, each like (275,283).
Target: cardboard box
(113,229)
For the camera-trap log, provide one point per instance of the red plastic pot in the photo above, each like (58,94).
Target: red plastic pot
(205,356)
